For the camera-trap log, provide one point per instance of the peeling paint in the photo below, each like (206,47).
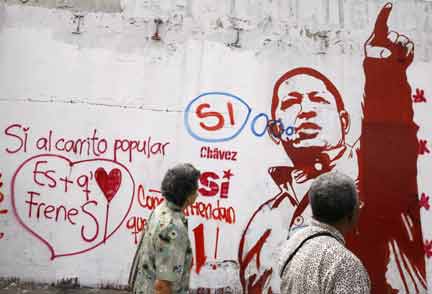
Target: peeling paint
(192,20)
(111,6)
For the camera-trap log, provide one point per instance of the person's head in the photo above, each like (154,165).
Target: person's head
(180,184)
(308,101)
(334,200)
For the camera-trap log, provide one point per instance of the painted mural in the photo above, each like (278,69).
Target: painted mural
(78,180)
(385,166)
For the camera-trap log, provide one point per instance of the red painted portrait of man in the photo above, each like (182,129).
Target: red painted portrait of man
(388,238)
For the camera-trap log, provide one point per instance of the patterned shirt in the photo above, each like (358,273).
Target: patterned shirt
(322,264)
(164,252)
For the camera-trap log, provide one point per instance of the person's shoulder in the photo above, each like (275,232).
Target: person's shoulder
(349,262)
(346,274)
(169,222)
(161,218)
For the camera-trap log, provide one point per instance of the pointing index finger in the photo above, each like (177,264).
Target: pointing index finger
(381,28)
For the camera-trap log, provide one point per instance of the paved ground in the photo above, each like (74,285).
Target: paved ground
(12,287)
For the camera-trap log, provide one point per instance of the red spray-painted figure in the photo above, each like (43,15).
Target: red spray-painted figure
(388,239)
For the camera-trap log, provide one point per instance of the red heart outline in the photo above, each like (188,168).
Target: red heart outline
(71,163)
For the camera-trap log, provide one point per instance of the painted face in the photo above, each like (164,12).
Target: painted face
(307,105)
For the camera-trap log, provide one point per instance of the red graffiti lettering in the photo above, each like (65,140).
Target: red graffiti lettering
(224,190)
(133,147)
(39,210)
(83,182)
(46,175)
(149,202)
(209,184)
(207,211)
(93,217)
(215,114)
(227,174)
(136,225)
(217,153)
(90,146)
(66,182)
(211,188)
(219,117)
(88,221)
(21,137)
(2,211)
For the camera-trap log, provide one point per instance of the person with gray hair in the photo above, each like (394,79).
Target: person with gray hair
(314,259)
(164,256)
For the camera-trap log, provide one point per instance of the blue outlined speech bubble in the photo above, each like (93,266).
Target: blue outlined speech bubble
(216,116)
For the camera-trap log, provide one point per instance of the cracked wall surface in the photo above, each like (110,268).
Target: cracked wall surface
(263,28)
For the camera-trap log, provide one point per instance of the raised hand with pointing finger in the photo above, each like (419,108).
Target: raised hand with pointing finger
(388,167)
(388,45)
(387,57)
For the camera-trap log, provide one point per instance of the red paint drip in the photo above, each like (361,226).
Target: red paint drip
(199,247)
(217,243)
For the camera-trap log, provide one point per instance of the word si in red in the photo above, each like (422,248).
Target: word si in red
(216,116)
(212,184)
(91,145)
(219,116)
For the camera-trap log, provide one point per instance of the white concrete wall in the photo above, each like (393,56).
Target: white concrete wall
(113,78)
